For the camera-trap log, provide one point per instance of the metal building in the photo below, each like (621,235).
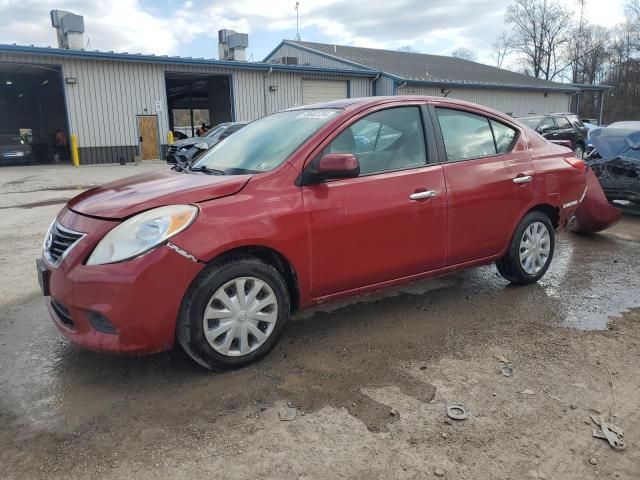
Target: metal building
(120,105)
(405,73)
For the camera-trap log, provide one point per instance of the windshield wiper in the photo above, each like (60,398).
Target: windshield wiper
(207,170)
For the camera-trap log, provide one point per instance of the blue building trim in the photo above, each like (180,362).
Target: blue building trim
(164,59)
(233,99)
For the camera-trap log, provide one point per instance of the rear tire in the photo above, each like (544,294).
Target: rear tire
(244,299)
(578,151)
(530,251)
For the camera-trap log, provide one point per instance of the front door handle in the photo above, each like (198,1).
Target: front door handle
(522,179)
(423,195)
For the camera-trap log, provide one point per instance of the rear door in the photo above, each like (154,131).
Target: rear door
(489,177)
(388,223)
(564,130)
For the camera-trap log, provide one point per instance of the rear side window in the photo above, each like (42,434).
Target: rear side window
(562,122)
(504,136)
(465,135)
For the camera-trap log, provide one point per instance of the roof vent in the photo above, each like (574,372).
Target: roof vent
(232,45)
(69,29)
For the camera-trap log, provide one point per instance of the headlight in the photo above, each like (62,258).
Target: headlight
(141,233)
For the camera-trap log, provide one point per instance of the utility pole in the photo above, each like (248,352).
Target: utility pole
(297,22)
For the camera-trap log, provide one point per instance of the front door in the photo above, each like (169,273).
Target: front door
(388,223)
(149,145)
(489,177)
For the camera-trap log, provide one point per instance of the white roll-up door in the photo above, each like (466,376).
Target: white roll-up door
(316,91)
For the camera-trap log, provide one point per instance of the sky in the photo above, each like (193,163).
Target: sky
(189,28)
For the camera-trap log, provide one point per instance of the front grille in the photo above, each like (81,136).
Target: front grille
(59,241)
(62,312)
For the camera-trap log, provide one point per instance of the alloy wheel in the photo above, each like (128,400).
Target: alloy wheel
(240,316)
(535,246)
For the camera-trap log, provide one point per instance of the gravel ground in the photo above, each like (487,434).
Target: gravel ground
(369,379)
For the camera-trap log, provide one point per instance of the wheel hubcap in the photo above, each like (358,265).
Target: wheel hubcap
(578,153)
(240,316)
(535,247)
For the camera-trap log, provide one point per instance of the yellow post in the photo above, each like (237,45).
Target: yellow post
(74,150)
(170,137)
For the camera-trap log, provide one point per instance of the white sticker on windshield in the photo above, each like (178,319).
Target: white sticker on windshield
(317,114)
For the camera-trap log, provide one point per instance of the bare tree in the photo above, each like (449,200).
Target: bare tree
(465,54)
(408,49)
(540,31)
(501,49)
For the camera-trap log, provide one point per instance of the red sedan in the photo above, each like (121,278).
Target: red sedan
(298,208)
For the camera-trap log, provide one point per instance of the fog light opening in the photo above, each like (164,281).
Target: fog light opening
(100,323)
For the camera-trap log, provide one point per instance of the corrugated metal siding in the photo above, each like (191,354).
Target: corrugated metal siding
(515,102)
(308,58)
(102,106)
(384,86)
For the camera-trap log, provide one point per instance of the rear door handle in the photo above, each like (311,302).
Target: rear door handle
(522,179)
(423,195)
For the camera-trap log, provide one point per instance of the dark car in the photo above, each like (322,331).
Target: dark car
(14,148)
(291,212)
(212,137)
(560,126)
(615,160)
(187,155)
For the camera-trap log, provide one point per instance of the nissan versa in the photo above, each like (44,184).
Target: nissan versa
(298,208)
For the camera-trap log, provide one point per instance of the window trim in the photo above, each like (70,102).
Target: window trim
(430,141)
(442,152)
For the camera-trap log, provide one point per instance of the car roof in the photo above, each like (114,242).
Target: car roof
(362,102)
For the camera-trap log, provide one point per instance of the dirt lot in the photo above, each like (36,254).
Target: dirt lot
(369,379)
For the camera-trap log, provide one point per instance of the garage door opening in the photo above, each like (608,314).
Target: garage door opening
(33,114)
(194,99)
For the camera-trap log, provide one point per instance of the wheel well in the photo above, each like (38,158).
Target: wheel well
(276,260)
(552,212)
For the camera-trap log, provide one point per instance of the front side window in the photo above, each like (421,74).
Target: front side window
(383,141)
(465,135)
(264,144)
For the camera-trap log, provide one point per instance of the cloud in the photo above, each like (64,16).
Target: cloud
(434,26)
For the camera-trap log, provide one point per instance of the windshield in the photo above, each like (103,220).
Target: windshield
(217,131)
(11,140)
(532,122)
(264,144)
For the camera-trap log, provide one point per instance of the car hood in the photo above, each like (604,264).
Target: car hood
(126,197)
(15,148)
(616,142)
(189,142)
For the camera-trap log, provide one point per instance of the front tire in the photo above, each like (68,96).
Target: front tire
(234,313)
(530,251)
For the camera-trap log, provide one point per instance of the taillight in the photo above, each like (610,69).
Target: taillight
(576,163)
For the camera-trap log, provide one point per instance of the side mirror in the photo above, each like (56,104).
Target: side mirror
(332,166)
